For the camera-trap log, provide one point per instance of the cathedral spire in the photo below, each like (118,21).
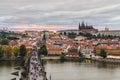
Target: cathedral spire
(79,27)
(44,38)
(83,25)
(86,24)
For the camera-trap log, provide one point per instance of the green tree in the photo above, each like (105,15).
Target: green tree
(65,33)
(81,34)
(72,35)
(40,52)
(99,35)
(23,51)
(9,51)
(88,35)
(5,42)
(1,51)
(43,51)
(103,53)
(62,57)
(80,54)
(15,51)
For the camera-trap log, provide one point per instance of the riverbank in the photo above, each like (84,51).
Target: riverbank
(107,60)
(78,59)
(51,58)
(11,59)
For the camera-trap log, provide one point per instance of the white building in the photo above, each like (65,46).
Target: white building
(110,32)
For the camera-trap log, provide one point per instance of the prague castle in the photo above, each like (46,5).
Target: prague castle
(81,28)
(85,28)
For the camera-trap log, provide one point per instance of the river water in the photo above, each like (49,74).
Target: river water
(6,68)
(69,70)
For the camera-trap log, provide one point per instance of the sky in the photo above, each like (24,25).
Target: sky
(99,13)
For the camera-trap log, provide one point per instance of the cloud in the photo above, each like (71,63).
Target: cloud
(60,12)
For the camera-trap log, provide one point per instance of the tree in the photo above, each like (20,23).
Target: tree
(81,34)
(80,54)
(62,57)
(40,52)
(43,51)
(9,51)
(103,53)
(23,35)
(1,51)
(65,33)
(72,35)
(88,35)
(4,42)
(15,51)
(23,51)
(61,34)
(99,35)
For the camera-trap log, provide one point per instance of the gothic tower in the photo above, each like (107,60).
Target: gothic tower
(44,38)
(79,28)
(83,25)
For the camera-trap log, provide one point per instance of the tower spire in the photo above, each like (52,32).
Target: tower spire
(79,27)
(86,23)
(83,25)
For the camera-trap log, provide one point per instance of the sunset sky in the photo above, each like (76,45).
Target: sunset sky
(21,13)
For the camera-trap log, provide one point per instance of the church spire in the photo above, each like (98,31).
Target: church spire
(79,27)
(86,24)
(44,38)
(83,25)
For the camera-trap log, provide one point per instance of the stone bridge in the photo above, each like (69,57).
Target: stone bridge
(36,70)
(32,68)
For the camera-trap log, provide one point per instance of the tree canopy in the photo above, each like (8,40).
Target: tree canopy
(62,57)
(4,41)
(43,50)
(15,51)
(23,51)
(1,51)
(80,54)
(9,51)
(72,35)
(103,53)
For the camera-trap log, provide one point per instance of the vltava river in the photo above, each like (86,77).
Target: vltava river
(82,71)
(6,68)
(69,71)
